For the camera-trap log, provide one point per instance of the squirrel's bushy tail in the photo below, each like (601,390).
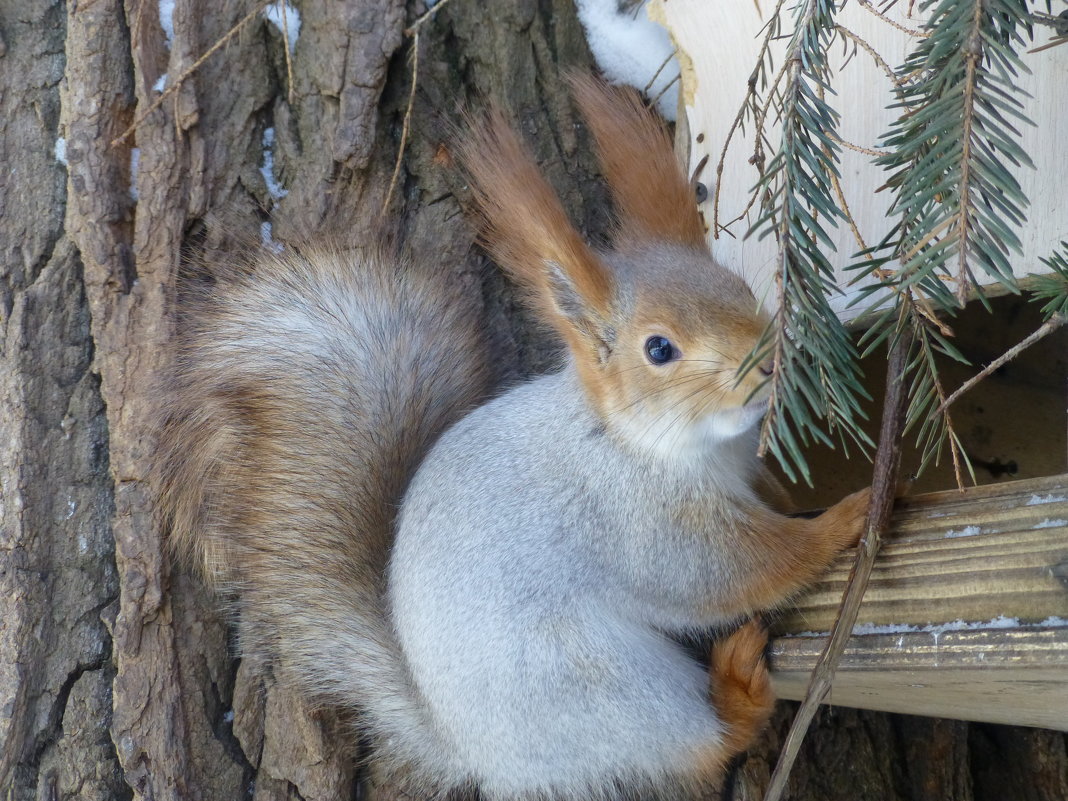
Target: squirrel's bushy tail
(307,387)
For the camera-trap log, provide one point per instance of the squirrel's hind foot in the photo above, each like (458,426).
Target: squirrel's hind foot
(740,686)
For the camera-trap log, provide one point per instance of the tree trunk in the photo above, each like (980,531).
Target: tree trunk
(116,673)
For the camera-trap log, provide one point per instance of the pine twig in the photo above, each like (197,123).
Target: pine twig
(884,488)
(1044,330)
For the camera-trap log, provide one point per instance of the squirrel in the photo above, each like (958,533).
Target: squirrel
(500,589)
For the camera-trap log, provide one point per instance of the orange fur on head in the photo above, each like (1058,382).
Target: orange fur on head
(654,198)
(525,228)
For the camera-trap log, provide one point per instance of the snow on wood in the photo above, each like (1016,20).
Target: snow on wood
(630,48)
(274,188)
(286,20)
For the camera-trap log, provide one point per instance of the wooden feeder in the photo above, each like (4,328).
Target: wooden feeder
(966,613)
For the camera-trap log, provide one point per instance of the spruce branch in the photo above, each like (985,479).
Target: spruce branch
(952,147)
(1053,288)
(950,153)
(928,411)
(816,378)
(957,136)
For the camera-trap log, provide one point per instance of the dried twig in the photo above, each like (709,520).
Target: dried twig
(862,246)
(884,488)
(749,96)
(867,6)
(659,70)
(654,100)
(406,126)
(955,450)
(285,46)
(1044,330)
(867,151)
(413,32)
(762,115)
(871,51)
(412,29)
(177,84)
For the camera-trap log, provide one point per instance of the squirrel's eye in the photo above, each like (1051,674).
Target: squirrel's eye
(660,350)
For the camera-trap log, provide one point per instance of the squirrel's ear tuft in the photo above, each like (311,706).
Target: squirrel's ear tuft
(654,198)
(526,230)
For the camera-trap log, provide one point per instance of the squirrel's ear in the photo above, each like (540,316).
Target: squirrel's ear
(653,196)
(527,231)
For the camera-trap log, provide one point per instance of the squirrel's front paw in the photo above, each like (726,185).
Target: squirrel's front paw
(741,688)
(846,520)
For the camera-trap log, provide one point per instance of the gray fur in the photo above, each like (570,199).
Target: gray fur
(536,570)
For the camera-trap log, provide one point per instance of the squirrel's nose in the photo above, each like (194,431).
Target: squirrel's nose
(767,368)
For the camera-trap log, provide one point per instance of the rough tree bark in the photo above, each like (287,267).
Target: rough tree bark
(116,675)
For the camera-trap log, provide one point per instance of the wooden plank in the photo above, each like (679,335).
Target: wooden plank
(966,613)
(995,550)
(1014,676)
(718,49)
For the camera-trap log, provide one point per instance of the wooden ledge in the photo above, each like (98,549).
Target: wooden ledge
(966,614)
